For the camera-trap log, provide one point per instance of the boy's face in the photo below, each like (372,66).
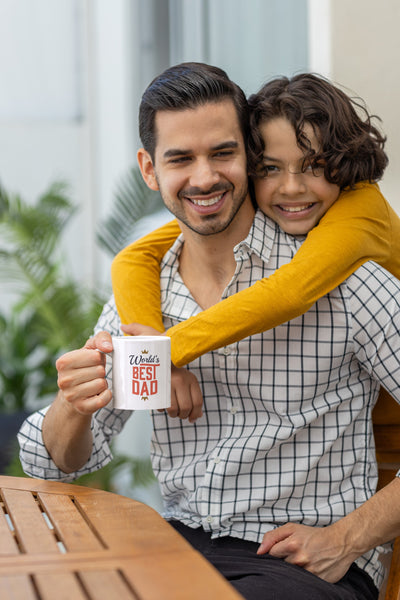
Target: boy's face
(294,199)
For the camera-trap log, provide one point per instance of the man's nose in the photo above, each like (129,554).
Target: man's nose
(292,183)
(203,174)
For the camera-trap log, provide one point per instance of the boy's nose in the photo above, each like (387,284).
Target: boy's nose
(292,184)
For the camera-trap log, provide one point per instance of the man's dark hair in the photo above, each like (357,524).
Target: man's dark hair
(351,147)
(188,85)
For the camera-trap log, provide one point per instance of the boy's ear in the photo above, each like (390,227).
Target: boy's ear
(147,169)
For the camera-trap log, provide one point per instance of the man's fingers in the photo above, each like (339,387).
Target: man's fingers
(91,404)
(72,376)
(87,389)
(173,410)
(197,401)
(271,538)
(80,359)
(101,341)
(81,375)
(187,399)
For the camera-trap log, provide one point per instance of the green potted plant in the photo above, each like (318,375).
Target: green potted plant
(50,312)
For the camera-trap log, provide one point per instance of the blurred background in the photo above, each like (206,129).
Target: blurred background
(72,73)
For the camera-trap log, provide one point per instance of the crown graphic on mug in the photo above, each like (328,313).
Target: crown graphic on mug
(141,382)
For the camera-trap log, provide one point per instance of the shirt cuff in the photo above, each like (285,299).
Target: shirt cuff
(37,462)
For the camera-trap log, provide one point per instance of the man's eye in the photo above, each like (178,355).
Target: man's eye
(179,159)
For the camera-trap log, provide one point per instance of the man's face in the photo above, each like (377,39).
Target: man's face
(200,165)
(294,199)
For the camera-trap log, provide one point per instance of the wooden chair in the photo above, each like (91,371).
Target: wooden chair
(386,419)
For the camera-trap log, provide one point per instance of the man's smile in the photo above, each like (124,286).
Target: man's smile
(206,201)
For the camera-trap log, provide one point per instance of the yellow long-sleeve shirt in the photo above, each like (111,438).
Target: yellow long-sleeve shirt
(359,226)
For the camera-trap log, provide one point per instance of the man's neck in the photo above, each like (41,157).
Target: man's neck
(207,263)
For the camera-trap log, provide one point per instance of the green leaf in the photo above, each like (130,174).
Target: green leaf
(133,201)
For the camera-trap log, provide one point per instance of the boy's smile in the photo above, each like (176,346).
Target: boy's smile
(294,198)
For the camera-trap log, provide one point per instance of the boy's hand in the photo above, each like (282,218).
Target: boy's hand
(139,329)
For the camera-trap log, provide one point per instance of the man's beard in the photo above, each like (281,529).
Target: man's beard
(211,224)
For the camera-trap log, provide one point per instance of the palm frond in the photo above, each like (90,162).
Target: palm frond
(133,201)
(37,226)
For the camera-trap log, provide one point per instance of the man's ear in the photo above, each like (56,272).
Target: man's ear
(147,169)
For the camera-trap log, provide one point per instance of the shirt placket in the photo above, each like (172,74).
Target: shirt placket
(216,500)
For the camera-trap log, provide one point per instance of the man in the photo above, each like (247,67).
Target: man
(271,460)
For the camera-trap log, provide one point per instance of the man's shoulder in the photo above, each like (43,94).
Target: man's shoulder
(109,319)
(171,257)
(371,279)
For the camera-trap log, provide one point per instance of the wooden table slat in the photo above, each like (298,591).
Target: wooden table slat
(120,531)
(67,563)
(72,529)
(107,585)
(176,576)
(33,533)
(17,587)
(60,586)
(8,544)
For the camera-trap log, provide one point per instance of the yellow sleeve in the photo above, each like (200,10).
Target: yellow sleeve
(135,275)
(359,226)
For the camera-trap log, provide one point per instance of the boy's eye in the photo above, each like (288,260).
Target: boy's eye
(319,169)
(223,154)
(267,169)
(316,169)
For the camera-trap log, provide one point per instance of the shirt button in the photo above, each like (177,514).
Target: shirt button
(233,410)
(227,351)
(217,460)
(209,519)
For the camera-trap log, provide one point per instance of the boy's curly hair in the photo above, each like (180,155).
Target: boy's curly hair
(351,147)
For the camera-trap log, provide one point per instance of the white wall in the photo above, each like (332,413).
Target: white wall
(67,109)
(43,105)
(365,51)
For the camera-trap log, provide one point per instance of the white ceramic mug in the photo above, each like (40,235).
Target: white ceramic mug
(141,372)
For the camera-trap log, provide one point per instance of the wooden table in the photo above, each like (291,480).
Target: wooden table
(63,541)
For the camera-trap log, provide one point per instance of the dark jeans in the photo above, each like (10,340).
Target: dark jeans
(268,578)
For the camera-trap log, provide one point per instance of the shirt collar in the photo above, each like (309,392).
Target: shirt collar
(259,240)
(262,236)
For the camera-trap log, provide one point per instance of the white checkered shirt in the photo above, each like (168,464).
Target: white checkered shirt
(286,433)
